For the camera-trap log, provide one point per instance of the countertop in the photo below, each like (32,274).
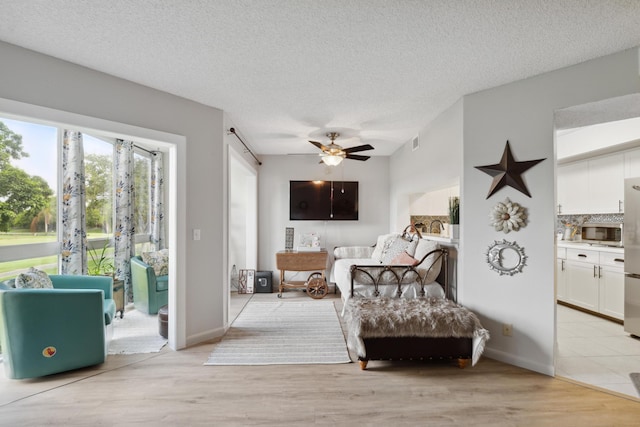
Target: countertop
(439,238)
(582,245)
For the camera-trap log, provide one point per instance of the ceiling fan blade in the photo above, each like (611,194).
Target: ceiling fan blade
(357,157)
(358,148)
(319,145)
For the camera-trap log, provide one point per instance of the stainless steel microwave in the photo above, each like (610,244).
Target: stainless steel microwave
(602,233)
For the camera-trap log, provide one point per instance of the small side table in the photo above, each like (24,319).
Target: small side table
(118,296)
(315,261)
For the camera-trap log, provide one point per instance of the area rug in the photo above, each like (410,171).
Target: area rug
(283,333)
(136,332)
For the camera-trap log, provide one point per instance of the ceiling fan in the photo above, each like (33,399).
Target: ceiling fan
(333,154)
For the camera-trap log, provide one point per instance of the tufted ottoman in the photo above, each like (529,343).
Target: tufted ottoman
(163,321)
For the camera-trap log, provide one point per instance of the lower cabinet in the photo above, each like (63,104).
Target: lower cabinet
(561,279)
(592,280)
(583,285)
(612,291)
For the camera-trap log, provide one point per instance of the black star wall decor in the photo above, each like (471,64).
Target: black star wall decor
(508,172)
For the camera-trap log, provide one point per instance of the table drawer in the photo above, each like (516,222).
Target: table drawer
(583,255)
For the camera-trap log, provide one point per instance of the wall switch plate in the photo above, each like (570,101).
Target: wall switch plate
(507,329)
(196,234)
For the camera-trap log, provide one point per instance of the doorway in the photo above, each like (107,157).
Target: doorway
(243,222)
(592,349)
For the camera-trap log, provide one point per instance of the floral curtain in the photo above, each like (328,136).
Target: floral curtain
(157,201)
(124,234)
(74,236)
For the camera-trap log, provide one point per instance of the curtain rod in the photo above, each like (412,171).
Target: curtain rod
(233,131)
(144,149)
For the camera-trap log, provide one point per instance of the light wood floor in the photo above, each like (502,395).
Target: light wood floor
(175,389)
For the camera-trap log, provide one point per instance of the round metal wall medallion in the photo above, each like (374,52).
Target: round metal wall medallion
(506,257)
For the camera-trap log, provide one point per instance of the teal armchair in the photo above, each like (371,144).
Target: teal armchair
(150,292)
(47,331)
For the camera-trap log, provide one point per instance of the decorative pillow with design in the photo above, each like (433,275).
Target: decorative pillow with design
(412,246)
(381,246)
(33,279)
(404,259)
(158,260)
(395,248)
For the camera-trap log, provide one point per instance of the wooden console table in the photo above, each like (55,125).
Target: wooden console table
(316,284)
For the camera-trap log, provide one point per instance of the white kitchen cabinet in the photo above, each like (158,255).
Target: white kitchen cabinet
(606,184)
(592,186)
(593,280)
(632,163)
(582,285)
(611,293)
(561,275)
(573,194)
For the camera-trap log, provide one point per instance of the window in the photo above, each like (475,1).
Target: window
(28,188)
(29,159)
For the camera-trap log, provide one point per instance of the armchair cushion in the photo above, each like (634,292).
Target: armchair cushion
(162,283)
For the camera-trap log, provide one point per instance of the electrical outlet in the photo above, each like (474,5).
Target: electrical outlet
(507,329)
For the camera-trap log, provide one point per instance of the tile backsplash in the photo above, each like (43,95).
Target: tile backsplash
(426,220)
(577,220)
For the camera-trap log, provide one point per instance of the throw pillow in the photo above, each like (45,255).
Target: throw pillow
(404,259)
(411,248)
(33,279)
(158,260)
(430,267)
(424,247)
(381,246)
(395,248)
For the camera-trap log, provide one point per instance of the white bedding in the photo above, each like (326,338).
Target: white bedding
(364,288)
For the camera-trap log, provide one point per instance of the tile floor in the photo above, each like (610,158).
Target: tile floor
(596,351)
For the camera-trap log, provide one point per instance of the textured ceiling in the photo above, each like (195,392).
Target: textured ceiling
(286,71)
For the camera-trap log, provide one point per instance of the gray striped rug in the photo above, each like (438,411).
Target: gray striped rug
(283,333)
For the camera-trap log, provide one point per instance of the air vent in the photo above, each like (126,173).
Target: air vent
(415,143)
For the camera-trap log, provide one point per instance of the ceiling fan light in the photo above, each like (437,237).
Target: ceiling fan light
(332,160)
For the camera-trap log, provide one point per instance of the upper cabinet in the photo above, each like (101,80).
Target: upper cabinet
(573,191)
(632,163)
(592,186)
(606,184)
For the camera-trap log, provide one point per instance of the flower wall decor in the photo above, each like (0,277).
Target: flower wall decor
(508,216)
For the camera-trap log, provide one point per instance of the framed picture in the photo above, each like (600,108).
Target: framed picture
(246,281)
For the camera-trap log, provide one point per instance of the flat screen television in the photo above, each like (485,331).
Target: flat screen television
(323,200)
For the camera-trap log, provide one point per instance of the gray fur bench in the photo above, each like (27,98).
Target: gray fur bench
(418,328)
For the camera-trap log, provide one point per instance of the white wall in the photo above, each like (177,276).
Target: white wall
(436,165)
(273,204)
(523,113)
(41,80)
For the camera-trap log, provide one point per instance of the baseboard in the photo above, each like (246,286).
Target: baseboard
(501,356)
(205,336)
